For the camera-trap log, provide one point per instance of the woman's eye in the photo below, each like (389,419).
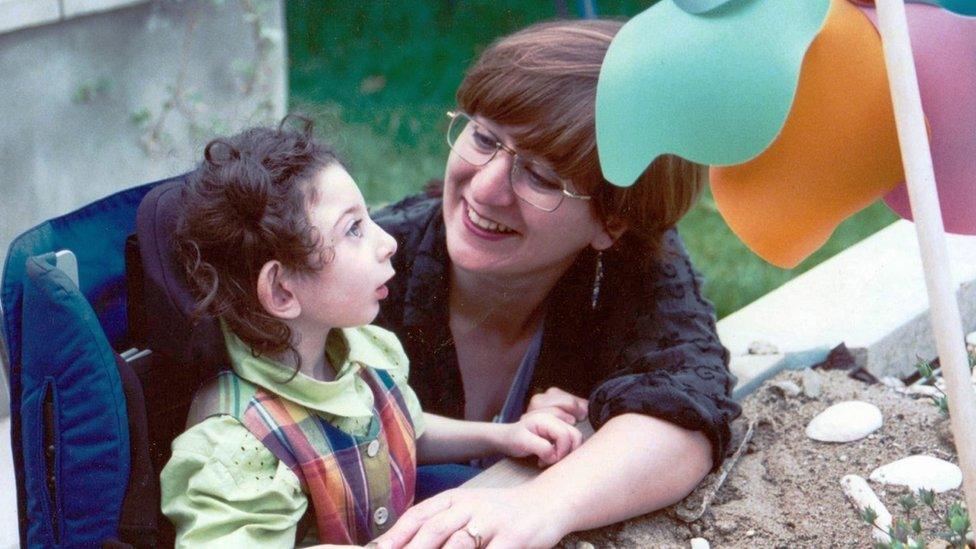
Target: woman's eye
(482,140)
(356,229)
(542,182)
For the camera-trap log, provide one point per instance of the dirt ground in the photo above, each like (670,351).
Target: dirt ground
(785,489)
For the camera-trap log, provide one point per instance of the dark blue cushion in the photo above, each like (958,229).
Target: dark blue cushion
(68,361)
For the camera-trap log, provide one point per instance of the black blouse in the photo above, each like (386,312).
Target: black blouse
(648,346)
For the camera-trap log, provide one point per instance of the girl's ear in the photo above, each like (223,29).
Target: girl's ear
(275,292)
(612,229)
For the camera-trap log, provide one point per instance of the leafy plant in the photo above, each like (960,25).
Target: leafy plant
(906,532)
(940,401)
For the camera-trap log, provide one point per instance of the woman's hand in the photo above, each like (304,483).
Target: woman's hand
(475,517)
(567,407)
(541,434)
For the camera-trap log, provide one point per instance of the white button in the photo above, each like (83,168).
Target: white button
(381,515)
(373,448)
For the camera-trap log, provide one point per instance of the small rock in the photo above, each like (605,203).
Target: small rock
(585,545)
(787,387)
(918,472)
(892,382)
(812,383)
(845,422)
(971,339)
(699,543)
(762,348)
(843,457)
(938,544)
(920,390)
(725,526)
(750,532)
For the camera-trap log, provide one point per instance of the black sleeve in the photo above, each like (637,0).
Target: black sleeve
(665,355)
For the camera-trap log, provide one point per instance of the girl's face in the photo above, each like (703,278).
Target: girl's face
(491,231)
(347,290)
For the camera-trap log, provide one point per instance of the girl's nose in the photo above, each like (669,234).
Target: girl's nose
(387,246)
(490,185)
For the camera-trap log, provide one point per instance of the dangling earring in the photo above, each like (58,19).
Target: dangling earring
(597,278)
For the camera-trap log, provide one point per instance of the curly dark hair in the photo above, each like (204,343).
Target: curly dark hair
(246,204)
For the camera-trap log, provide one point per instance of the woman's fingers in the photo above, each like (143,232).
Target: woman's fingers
(412,520)
(462,539)
(437,529)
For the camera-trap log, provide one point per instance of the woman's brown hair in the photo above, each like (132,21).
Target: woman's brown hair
(541,82)
(246,204)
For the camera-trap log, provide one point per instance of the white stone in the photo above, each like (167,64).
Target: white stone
(787,387)
(762,348)
(863,497)
(918,472)
(845,422)
(699,543)
(920,390)
(971,339)
(892,382)
(812,383)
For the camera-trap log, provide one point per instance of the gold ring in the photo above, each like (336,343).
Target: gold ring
(474,535)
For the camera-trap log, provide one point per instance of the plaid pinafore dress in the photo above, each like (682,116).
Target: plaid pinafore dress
(357,485)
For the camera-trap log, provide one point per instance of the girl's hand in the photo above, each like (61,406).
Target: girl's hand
(567,407)
(541,434)
(476,517)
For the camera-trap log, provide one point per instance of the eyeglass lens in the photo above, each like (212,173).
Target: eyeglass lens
(533,182)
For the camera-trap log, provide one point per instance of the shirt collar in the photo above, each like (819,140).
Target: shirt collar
(347,395)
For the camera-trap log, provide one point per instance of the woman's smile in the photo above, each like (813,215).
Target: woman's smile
(484,227)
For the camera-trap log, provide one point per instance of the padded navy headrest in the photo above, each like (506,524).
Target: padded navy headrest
(74,430)
(168,300)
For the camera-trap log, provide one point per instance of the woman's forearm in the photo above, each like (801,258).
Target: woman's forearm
(633,465)
(447,440)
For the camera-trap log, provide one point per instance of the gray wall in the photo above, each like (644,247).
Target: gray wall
(68,91)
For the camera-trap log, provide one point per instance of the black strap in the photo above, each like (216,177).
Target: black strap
(138,519)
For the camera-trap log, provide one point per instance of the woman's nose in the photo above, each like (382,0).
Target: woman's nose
(490,185)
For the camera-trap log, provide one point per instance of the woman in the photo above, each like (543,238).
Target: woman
(535,284)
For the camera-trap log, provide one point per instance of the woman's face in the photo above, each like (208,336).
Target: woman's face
(491,231)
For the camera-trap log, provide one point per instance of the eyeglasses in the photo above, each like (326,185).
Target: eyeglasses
(534,183)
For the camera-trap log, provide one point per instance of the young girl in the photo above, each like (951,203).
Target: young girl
(314,434)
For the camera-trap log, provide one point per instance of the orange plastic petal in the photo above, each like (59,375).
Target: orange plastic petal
(837,153)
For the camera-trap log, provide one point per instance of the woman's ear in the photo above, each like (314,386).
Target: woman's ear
(275,292)
(612,229)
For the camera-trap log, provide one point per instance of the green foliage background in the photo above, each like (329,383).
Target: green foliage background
(378,76)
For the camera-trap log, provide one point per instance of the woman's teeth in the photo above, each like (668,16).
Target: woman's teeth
(487,224)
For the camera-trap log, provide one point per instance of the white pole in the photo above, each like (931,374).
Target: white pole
(920,176)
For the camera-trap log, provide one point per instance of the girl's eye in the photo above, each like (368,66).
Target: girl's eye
(356,229)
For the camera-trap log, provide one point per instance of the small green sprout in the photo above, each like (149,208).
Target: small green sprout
(908,503)
(869,515)
(906,533)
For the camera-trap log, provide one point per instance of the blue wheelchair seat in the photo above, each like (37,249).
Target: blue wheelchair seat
(78,423)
